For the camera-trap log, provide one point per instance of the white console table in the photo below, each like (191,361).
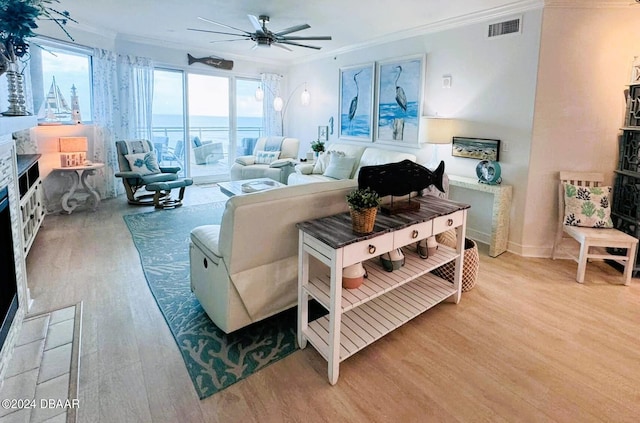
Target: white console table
(502,195)
(386,300)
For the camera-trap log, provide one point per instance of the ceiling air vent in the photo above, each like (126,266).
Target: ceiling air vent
(503,28)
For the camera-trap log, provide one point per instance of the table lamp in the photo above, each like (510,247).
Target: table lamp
(436,130)
(73,151)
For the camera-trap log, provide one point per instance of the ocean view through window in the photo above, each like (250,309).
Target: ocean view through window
(223,115)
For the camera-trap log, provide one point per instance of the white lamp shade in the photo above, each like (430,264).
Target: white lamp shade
(305,97)
(259,93)
(436,130)
(278,103)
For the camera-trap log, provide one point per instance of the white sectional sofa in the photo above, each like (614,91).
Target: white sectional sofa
(246,268)
(364,156)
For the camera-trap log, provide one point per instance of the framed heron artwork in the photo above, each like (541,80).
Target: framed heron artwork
(356,102)
(399,93)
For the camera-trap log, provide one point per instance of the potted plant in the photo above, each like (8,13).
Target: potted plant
(18,22)
(363,206)
(317,146)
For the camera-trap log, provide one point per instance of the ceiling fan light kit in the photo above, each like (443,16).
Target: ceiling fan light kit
(263,37)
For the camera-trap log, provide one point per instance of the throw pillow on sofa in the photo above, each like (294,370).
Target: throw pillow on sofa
(340,167)
(323,160)
(267,157)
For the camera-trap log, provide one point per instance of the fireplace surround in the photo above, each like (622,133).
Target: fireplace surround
(8,284)
(10,214)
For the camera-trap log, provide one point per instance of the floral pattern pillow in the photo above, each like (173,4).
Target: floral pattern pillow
(587,206)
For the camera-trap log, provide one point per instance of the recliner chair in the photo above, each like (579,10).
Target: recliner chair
(279,169)
(133,180)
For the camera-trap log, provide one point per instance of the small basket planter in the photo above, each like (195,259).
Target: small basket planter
(363,206)
(470,267)
(363,220)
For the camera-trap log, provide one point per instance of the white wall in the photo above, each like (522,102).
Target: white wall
(585,62)
(493,93)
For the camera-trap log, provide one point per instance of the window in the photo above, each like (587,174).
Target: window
(248,116)
(61,80)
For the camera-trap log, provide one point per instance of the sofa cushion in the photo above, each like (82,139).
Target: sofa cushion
(206,239)
(246,160)
(300,179)
(377,156)
(340,167)
(143,163)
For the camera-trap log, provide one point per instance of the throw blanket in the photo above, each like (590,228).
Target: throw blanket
(273,144)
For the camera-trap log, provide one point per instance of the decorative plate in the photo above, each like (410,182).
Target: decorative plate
(489,172)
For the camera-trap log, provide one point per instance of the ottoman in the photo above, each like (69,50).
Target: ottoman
(162,197)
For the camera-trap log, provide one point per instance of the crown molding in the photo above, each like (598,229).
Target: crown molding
(589,4)
(445,24)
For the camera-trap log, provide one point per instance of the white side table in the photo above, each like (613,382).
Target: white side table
(78,176)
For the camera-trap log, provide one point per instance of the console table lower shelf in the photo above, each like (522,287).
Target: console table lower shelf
(386,300)
(360,326)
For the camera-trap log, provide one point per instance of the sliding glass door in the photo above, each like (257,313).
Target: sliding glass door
(168,127)
(221,120)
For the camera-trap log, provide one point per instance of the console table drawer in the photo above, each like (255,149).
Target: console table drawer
(412,234)
(364,250)
(450,221)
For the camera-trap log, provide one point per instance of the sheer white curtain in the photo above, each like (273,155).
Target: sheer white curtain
(122,100)
(271,119)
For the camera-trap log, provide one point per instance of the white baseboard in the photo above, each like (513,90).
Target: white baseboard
(478,236)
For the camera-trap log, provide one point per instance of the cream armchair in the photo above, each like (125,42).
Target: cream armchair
(264,164)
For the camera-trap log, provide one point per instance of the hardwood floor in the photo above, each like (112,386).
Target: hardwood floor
(528,343)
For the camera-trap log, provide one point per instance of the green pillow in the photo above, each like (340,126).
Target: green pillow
(587,206)
(340,167)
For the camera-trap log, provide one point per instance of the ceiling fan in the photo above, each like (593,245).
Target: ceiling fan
(264,37)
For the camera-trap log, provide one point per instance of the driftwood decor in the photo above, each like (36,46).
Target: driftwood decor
(400,179)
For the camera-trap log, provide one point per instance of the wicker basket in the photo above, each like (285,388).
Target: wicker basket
(363,220)
(471,264)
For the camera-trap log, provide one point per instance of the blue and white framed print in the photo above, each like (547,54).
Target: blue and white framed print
(356,102)
(399,100)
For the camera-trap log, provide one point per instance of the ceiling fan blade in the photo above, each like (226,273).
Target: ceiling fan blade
(235,39)
(256,24)
(218,32)
(222,25)
(293,29)
(298,44)
(276,44)
(312,37)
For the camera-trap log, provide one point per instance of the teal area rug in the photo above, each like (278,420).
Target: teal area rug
(214,359)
